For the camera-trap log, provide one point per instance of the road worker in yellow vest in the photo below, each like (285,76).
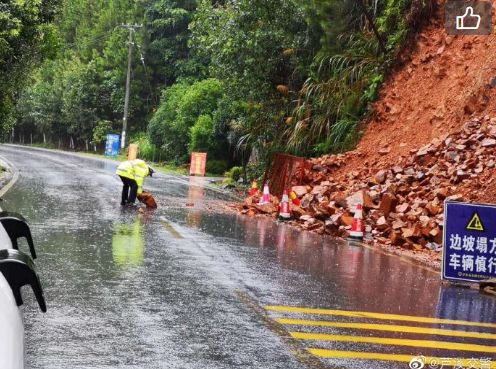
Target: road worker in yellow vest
(132,174)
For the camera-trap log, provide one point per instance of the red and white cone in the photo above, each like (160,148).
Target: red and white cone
(284,210)
(266,196)
(357,227)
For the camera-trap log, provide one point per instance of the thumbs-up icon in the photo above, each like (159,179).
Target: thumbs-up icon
(468,17)
(469,20)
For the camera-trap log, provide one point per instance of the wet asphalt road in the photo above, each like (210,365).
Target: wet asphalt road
(189,287)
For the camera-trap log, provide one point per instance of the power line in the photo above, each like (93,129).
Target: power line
(151,94)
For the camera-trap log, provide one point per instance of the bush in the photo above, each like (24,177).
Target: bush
(201,134)
(255,170)
(147,151)
(103,127)
(216,166)
(234,173)
(228,182)
(182,108)
(162,129)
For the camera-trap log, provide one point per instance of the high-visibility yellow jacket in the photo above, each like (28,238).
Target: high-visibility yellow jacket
(134,169)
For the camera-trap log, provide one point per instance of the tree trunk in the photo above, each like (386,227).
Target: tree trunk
(382,46)
(59,143)
(44,138)
(31,138)
(87,145)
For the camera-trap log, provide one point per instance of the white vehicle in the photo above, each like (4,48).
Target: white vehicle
(16,270)
(12,329)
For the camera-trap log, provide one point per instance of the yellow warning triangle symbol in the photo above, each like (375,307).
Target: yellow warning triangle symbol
(475,223)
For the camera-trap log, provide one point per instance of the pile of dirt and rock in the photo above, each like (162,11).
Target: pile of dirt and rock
(439,83)
(422,145)
(403,202)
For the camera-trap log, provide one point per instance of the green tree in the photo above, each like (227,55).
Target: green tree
(103,127)
(80,100)
(260,50)
(168,53)
(47,102)
(162,129)
(23,29)
(182,106)
(201,134)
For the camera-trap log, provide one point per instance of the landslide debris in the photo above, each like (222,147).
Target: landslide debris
(403,202)
(430,138)
(439,83)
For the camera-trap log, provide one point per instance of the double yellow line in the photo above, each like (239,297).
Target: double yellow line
(380,316)
(388,328)
(325,353)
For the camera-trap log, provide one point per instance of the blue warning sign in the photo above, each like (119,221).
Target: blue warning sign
(469,245)
(112,145)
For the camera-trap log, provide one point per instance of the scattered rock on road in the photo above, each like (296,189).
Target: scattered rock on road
(403,202)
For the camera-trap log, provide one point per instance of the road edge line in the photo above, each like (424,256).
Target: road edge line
(300,353)
(13,180)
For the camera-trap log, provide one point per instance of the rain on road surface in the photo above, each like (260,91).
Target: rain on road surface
(188,287)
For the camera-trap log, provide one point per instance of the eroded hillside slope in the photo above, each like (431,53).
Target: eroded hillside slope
(441,83)
(432,137)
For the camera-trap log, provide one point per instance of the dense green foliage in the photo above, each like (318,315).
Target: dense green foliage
(346,76)
(25,38)
(220,76)
(184,119)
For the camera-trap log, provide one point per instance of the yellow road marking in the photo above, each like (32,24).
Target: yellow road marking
(394,341)
(388,328)
(380,316)
(171,230)
(446,362)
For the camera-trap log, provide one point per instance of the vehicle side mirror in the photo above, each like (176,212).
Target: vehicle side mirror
(19,270)
(16,226)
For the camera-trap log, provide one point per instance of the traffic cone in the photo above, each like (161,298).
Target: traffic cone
(266,196)
(254,188)
(294,198)
(357,227)
(284,211)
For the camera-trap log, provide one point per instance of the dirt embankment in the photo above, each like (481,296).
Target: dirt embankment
(432,137)
(441,83)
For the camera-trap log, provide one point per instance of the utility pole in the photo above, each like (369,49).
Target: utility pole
(131,28)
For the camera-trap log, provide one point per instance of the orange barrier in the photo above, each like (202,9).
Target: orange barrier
(198,164)
(132,152)
(286,171)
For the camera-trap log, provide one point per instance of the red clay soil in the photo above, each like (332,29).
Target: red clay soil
(441,83)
